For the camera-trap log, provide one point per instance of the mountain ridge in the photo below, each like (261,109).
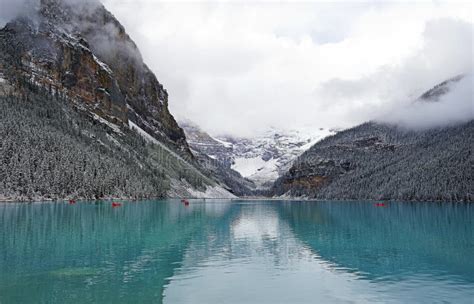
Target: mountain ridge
(55,57)
(260,159)
(382,161)
(82,51)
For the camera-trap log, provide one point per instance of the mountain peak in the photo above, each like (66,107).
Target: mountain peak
(78,49)
(440,89)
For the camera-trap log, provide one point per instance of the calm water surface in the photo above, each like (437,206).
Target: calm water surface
(236,252)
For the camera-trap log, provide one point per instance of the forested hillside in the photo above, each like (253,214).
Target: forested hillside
(377,161)
(398,160)
(83,116)
(51,150)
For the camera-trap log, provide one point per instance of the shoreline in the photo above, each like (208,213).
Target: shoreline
(249,199)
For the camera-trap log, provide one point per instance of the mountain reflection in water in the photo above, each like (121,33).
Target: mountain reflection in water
(236,252)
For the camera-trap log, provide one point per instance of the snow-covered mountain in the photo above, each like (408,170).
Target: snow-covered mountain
(83,116)
(262,158)
(379,160)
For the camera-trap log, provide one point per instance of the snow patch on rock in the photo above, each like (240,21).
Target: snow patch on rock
(261,158)
(151,139)
(181,188)
(212,192)
(114,127)
(104,66)
(265,157)
(248,166)
(224,143)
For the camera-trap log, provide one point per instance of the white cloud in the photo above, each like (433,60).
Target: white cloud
(456,106)
(236,67)
(9,9)
(446,51)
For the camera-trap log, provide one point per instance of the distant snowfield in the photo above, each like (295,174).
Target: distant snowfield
(257,169)
(262,159)
(249,166)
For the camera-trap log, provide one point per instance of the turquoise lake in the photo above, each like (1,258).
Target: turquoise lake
(236,252)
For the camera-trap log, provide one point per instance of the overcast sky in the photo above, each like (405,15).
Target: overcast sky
(239,67)
(243,66)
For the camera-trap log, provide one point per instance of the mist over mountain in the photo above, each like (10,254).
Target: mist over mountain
(101,99)
(261,158)
(411,158)
(241,69)
(76,60)
(449,103)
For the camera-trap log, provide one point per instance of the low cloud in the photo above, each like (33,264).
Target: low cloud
(238,68)
(241,68)
(454,107)
(10,9)
(387,94)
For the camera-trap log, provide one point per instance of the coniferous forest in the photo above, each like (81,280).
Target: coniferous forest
(50,150)
(380,161)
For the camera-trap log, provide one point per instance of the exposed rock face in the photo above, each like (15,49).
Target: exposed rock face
(260,159)
(377,161)
(63,66)
(81,51)
(433,165)
(70,70)
(202,142)
(213,155)
(266,157)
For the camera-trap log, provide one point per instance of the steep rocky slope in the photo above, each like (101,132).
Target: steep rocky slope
(380,161)
(265,157)
(75,58)
(260,159)
(79,50)
(213,155)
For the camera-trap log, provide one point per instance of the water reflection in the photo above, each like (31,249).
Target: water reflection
(388,243)
(239,252)
(92,253)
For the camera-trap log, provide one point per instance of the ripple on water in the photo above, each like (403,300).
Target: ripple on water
(243,252)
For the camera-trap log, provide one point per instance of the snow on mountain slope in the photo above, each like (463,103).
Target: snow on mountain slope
(263,158)
(182,188)
(76,58)
(400,160)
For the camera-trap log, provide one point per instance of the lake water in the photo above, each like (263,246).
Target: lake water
(236,252)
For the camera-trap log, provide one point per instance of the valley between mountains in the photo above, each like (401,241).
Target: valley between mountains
(85,119)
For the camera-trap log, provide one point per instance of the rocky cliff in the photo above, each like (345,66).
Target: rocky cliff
(83,116)
(79,50)
(260,159)
(216,157)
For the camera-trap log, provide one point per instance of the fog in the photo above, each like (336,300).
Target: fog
(240,68)
(456,106)
(10,9)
